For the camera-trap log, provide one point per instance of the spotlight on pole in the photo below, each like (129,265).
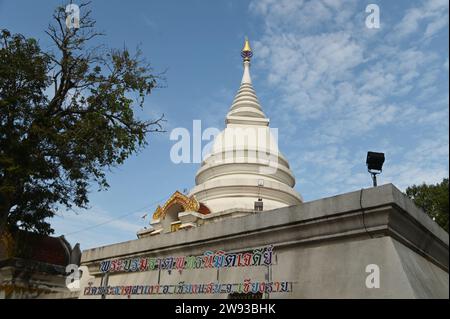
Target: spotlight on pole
(374,163)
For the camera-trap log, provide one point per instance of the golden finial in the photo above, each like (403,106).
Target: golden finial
(246,52)
(246,45)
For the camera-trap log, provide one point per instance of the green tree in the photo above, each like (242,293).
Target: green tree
(433,199)
(66,116)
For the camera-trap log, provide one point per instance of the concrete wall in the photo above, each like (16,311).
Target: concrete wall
(322,247)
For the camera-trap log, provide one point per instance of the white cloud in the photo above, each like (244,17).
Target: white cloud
(433,14)
(282,15)
(341,87)
(422,164)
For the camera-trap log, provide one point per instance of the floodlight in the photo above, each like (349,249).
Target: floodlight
(374,163)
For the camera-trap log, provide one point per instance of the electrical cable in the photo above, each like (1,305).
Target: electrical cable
(116,218)
(363,213)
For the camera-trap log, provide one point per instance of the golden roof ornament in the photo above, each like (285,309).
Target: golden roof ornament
(246,52)
(188,204)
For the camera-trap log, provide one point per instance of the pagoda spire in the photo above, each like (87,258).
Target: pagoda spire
(246,54)
(245,108)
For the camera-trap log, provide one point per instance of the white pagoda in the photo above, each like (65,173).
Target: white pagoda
(243,173)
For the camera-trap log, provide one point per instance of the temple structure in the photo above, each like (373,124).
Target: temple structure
(34,265)
(244,171)
(244,232)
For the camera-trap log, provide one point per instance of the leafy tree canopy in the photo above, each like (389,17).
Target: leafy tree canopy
(65,117)
(433,199)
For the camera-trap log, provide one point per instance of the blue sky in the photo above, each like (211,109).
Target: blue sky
(334,89)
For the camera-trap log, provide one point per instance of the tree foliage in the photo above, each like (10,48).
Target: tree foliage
(65,117)
(433,199)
